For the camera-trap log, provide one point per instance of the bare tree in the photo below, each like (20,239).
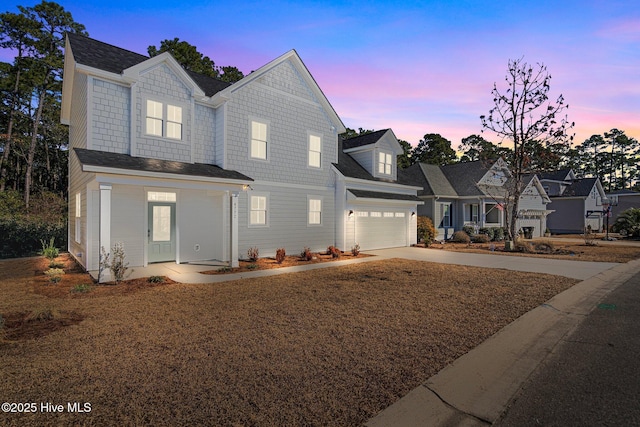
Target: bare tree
(522,114)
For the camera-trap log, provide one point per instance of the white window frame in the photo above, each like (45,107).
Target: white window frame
(314,156)
(385,163)
(78,215)
(400,214)
(170,119)
(255,139)
(314,215)
(251,208)
(489,211)
(363,214)
(375,214)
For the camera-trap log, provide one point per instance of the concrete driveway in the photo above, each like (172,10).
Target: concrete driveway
(574,269)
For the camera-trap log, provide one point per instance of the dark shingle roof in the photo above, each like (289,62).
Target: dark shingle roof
(579,188)
(351,168)
(96,54)
(124,161)
(380,195)
(362,140)
(103,56)
(464,177)
(559,175)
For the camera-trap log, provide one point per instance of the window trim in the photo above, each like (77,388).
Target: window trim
(164,120)
(309,211)
(311,135)
(449,215)
(267,142)
(250,210)
(383,163)
(77,222)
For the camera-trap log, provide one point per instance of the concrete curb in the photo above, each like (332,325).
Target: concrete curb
(477,387)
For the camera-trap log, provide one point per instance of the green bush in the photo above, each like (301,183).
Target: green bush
(488,231)
(49,250)
(628,222)
(23,230)
(22,236)
(469,229)
(460,237)
(498,234)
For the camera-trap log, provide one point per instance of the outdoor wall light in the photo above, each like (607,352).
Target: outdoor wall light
(350,214)
(413,214)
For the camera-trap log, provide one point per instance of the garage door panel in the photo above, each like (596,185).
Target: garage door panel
(380,232)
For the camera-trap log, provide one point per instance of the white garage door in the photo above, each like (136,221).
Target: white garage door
(380,229)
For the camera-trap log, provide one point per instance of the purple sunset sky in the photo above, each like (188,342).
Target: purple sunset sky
(414,66)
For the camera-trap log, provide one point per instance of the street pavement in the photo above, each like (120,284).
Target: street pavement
(593,377)
(477,388)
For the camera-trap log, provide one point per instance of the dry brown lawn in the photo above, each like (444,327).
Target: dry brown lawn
(568,251)
(330,346)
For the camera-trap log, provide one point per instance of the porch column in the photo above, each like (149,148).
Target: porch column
(105,226)
(234,230)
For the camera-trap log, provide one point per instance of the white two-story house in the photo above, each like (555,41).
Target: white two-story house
(180,167)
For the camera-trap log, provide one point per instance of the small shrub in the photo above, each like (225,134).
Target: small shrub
(55,264)
(498,234)
(118,265)
(355,250)
(252,266)
(460,237)
(469,229)
(54,274)
(628,222)
(480,238)
(426,230)
(225,269)
(488,231)
(49,250)
(543,247)
(306,254)
(280,255)
(83,288)
(155,279)
(253,254)
(589,236)
(334,252)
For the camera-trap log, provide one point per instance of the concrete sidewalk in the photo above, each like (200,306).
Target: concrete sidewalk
(476,388)
(190,273)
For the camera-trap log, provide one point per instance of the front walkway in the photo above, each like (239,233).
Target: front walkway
(190,273)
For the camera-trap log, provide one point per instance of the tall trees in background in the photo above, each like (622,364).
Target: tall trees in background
(33,135)
(188,56)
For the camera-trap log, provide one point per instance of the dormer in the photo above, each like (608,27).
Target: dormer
(377,152)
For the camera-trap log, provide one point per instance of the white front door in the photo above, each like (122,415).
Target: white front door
(162,232)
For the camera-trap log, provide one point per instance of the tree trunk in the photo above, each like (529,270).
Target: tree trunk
(7,146)
(32,148)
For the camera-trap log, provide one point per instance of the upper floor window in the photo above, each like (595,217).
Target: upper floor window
(384,163)
(258,148)
(163,120)
(315,151)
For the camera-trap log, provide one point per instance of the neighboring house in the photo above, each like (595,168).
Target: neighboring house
(381,213)
(473,194)
(182,167)
(577,202)
(621,201)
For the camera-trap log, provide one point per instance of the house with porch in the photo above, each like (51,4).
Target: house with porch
(180,167)
(577,202)
(474,194)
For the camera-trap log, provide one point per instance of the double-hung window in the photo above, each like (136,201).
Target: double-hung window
(259,134)
(258,210)
(384,163)
(446,215)
(315,211)
(163,120)
(315,151)
(78,225)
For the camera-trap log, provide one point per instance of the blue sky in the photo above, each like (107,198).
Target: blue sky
(414,66)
